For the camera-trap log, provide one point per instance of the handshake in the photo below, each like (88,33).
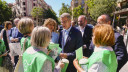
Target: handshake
(14,39)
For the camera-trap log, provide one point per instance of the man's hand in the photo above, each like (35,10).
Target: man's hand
(12,39)
(63,55)
(16,39)
(84,46)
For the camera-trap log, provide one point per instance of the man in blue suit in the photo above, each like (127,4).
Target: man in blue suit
(15,36)
(86,32)
(70,39)
(119,47)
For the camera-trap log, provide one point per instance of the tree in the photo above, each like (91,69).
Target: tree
(37,12)
(77,11)
(98,7)
(64,9)
(51,14)
(5,11)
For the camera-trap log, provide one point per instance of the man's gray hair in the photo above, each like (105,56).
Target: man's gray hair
(66,15)
(16,19)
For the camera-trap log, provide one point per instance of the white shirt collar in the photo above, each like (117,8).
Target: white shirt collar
(82,29)
(68,29)
(96,49)
(32,50)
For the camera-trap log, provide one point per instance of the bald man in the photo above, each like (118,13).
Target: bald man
(119,47)
(86,32)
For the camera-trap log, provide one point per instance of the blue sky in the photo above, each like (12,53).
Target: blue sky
(55,4)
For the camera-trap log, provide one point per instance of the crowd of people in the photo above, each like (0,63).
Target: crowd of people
(102,46)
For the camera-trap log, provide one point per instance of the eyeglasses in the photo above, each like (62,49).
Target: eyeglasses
(64,21)
(80,21)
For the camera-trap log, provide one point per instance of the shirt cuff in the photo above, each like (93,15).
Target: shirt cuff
(58,68)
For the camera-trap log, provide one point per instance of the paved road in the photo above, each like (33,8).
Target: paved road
(125,67)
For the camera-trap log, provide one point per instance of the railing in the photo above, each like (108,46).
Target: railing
(121,11)
(121,1)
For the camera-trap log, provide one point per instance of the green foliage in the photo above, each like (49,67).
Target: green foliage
(37,12)
(77,11)
(98,7)
(64,9)
(51,14)
(5,11)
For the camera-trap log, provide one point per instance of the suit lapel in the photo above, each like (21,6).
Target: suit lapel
(85,30)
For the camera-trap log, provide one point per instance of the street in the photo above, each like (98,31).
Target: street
(125,68)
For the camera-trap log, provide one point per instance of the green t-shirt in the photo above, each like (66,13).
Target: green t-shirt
(108,58)
(27,43)
(34,62)
(2,50)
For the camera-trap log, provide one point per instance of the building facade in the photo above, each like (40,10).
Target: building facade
(23,8)
(121,12)
(76,3)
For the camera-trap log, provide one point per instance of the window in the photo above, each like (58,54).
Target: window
(24,8)
(34,4)
(23,3)
(34,18)
(24,14)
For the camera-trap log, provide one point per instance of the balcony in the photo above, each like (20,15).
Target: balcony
(123,11)
(124,5)
(119,1)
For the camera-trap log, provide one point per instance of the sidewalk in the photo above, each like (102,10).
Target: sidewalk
(125,67)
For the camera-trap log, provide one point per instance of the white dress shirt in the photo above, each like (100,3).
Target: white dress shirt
(65,35)
(82,30)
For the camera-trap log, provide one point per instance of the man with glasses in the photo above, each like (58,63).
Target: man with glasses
(119,47)
(86,32)
(70,39)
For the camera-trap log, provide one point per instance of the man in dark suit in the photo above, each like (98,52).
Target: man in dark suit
(86,32)
(119,47)
(70,39)
(15,36)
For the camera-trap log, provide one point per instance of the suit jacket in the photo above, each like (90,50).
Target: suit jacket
(87,37)
(73,42)
(19,35)
(119,48)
